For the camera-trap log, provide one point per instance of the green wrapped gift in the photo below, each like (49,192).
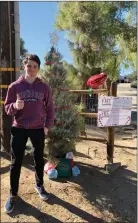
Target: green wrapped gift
(64,168)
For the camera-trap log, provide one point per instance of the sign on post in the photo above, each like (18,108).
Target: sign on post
(114,111)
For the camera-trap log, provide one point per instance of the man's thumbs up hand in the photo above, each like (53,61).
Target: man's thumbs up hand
(19,103)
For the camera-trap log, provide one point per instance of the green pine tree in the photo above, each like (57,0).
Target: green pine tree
(23,52)
(94,30)
(63,135)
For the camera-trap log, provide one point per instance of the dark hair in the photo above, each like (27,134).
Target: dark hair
(32,57)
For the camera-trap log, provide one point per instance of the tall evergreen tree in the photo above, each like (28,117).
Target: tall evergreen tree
(94,29)
(23,52)
(64,133)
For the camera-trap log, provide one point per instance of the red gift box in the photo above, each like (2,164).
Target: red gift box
(71,163)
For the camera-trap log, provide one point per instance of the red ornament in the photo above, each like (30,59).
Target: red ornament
(96,80)
(48,63)
(63,107)
(60,124)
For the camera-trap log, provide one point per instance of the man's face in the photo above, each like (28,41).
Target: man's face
(31,68)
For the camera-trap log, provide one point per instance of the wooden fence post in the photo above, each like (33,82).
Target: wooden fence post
(7,61)
(110,130)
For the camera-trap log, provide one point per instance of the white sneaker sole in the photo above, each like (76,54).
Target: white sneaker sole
(8,212)
(44,199)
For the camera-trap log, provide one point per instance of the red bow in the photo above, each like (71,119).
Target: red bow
(96,80)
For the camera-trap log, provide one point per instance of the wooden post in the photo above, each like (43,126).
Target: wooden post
(83,101)
(7,60)
(110,130)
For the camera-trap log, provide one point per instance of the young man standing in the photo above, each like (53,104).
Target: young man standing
(30,102)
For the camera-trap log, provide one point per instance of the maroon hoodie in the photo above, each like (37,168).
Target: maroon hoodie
(38,111)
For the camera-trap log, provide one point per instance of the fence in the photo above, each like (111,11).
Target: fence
(90,112)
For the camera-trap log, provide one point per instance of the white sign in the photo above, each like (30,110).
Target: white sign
(114,111)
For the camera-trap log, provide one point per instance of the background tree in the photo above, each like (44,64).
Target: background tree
(64,133)
(93,30)
(129,48)
(133,79)
(23,52)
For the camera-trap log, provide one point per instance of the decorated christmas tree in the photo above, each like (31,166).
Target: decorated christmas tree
(64,134)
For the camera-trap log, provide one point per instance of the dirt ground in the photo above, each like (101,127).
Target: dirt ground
(93,196)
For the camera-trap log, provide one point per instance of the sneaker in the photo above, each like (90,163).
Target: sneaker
(10,204)
(42,193)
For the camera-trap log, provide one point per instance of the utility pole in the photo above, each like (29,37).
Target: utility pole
(7,65)
(17,38)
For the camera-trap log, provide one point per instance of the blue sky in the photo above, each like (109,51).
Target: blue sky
(36,23)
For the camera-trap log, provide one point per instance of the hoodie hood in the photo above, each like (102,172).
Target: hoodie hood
(22,79)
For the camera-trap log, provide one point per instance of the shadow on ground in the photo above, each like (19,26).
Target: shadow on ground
(24,208)
(4,169)
(29,210)
(115,193)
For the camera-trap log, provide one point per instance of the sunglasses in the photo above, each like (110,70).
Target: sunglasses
(30,66)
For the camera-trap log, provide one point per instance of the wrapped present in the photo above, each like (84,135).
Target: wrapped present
(69,155)
(48,166)
(52,174)
(64,168)
(75,171)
